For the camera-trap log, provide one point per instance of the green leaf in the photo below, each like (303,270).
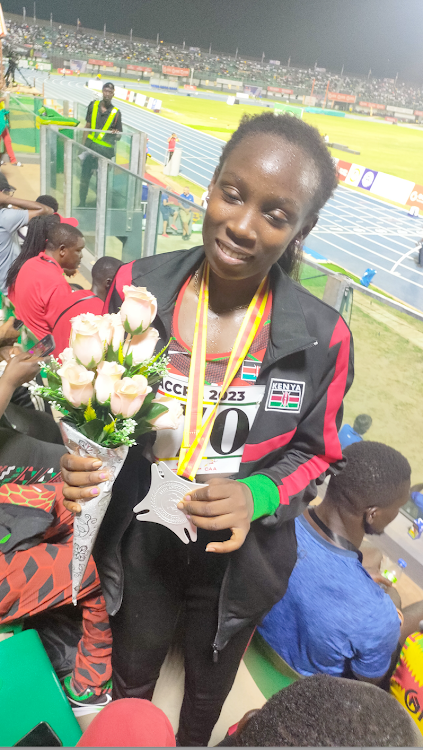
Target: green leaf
(53,380)
(120,354)
(155,411)
(89,413)
(161,352)
(93,430)
(128,360)
(109,428)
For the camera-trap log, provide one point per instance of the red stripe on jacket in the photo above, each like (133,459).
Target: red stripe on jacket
(122,278)
(254,452)
(318,464)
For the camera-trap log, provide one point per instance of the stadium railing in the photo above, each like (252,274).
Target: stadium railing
(124,217)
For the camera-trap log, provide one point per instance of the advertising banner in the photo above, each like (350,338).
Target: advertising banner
(355,174)
(253,90)
(372,105)
(280,91)
(400,110)
(140,99)
(392,188)
(139,68)
(416,197)
(391,119)
(274,62)
(418,113)
(367,179)
(43,66)
(189,87)
(227,82)
(343,167)
(155,104)
(104,63)
(79,66)
(334,96)
(170,70)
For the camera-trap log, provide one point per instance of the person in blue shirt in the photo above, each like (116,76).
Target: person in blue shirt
(348,435)
(334,618)
(185,213)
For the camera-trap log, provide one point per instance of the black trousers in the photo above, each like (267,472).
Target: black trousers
(89,165)
(164,579)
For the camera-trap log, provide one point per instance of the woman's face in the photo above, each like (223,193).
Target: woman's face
(259,203)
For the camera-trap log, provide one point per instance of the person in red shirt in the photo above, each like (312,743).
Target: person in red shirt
(171,145)
(83,301)
(36,280)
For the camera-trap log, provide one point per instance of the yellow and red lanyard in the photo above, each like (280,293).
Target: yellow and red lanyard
(196,435)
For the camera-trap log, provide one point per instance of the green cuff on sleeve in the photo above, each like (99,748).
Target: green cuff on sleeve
(265,495)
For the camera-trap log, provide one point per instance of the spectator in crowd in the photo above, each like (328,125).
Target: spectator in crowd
(36,280)
(47,200)
(168,211)
(185,213)
(103,116)
(319,711)
(30,442)
(83,301)
(334,618)
(5,134)
(323,711)
(348,435)
(171,145)
(205,197)
(10,221)
(35,575)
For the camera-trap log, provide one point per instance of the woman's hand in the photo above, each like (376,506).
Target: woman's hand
(223,504)
(21,368)
(80,475)
(8,334)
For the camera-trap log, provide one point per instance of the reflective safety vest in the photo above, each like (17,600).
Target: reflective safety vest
(98,137)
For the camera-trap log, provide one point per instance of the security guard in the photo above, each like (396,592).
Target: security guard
(101,115)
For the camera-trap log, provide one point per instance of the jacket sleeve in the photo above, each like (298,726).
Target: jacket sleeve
(315,445)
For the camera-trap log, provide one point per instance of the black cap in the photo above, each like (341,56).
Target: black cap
(4,184)
(109,85)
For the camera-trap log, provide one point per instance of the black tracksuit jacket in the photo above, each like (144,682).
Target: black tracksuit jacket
(310,345)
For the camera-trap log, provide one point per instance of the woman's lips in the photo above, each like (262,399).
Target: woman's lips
(232,255)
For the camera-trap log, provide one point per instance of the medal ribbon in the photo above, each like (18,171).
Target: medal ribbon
(196,435)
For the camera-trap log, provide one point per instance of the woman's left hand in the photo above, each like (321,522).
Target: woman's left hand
(223,504)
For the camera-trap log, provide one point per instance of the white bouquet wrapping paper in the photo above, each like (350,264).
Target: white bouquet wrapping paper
(87,523)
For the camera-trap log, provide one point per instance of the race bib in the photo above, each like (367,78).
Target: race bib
(234,419)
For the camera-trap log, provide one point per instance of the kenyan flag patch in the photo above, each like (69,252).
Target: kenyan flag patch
(250,370)
(285,395)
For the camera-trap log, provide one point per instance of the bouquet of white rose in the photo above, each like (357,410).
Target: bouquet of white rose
(103,387)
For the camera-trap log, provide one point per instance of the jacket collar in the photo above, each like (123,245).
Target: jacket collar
(288,330)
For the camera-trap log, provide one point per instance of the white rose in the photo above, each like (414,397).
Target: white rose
(142,346)
(138,310)
(77,383)
(118,331)
(85,340)
(107,374)
(171,418)
(128,395)
(105,328)
(67,355)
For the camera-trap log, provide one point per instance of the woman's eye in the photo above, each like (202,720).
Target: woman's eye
(277,218)
(229,195)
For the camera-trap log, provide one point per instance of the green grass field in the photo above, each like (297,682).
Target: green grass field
(387,148)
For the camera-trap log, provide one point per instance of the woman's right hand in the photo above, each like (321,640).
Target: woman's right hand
(80,475)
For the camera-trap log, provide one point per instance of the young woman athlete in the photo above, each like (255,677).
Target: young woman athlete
(274,435)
